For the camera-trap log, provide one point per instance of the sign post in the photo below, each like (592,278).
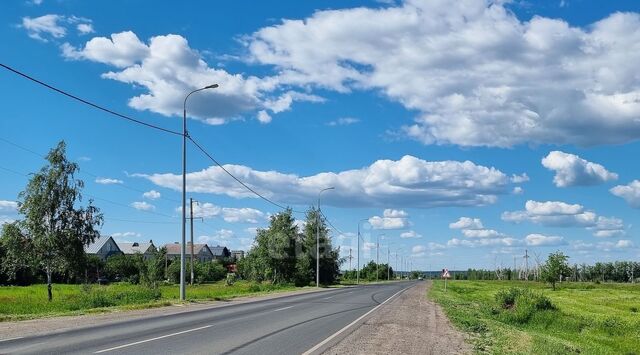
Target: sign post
(445,276)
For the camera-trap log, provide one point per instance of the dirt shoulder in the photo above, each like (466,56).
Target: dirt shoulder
(24,328)
(408,324)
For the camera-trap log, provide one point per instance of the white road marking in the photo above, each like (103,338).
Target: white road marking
(152,339)
(319,345)
(282,309)
(326,298)
(10,339)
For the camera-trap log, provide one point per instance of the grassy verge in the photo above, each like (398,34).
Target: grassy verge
(18,303)
(582,319)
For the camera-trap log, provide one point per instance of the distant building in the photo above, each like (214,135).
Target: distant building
(146,249)
(237,254)
(220,253)
(201,252)
(103,248)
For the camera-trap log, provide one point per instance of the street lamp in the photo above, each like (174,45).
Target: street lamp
(378,255)
(184,191)
(358,271)
(318,237)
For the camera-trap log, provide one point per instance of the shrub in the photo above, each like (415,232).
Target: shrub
(231,279)
(519,305)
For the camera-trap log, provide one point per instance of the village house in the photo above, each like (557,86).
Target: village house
(103,248)
(146,249)
(201,252)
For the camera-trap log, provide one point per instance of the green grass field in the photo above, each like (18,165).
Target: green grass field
(588,319)
(18,303)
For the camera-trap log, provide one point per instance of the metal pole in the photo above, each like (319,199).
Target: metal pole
(191,215)
(377,257)
(318,238)
(358,272)
(388,269)
(183,292)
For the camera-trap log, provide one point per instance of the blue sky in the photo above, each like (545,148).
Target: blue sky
(465,132)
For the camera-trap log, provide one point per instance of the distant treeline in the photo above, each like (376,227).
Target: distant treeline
(617,271)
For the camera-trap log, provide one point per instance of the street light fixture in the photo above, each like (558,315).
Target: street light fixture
(184,191)
(318,237)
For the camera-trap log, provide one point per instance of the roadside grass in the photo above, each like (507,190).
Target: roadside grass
(28,302)
(582,318)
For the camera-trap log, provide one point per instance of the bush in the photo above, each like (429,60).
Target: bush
(519,305)
(231,279)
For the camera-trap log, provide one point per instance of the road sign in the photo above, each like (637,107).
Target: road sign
(445,274)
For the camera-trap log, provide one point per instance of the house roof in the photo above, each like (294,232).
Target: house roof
(133,248)
(174,249)
(218,250)
(95,247)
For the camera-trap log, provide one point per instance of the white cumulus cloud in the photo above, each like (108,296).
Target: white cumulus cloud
(410,234)
(467,223)
(476,74)
(152,195)
(571,170)
(143,206)
(408,182)
(630,193)
(537,240)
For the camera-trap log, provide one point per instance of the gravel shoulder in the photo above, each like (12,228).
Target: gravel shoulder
(408,324)
(51,325)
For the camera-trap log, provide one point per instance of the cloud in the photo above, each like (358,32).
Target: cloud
(467,223)
(537,240)
(571,170)
(518,179)
(218,237)
(391,219)
(366,246)
(418,251)
(152,195)
(517,190)
(410,234)
(475,74)
(229,214)
(344,121)
(122,235)
(481,233)
(630,193)
(8,206)
(483,242)
(167,68)
(143,206)
(408,182)
(108,181)
(561,214)
(53,26)
(83,158)
(85,28)
(44,26)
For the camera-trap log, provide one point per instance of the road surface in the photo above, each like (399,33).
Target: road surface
(286,325)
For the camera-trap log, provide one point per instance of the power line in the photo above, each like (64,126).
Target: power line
(238,180)
(82,170)
(86,102)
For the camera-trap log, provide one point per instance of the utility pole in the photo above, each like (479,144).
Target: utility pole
(526,264)
(515,270)
(318,237)
(350,257)
(377,257)
(396,262)
(191,218)
(388,268)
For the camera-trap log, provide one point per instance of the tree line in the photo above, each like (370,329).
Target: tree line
(285,253)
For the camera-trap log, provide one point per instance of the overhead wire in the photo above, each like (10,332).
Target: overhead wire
(146,124)
(87,102)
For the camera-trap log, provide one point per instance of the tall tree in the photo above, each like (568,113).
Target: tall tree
(329,257)
(555,267)
(57,227)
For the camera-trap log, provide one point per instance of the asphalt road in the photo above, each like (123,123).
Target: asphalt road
(286,325)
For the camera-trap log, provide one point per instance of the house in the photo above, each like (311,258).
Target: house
(220,253)
(237,254)
(103,248)
(146,249)
(201,252)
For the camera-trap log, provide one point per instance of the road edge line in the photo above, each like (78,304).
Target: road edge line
(331,337)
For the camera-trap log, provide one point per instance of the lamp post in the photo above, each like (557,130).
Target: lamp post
(184,191)
(358,272)
(318,237)
(378,256)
